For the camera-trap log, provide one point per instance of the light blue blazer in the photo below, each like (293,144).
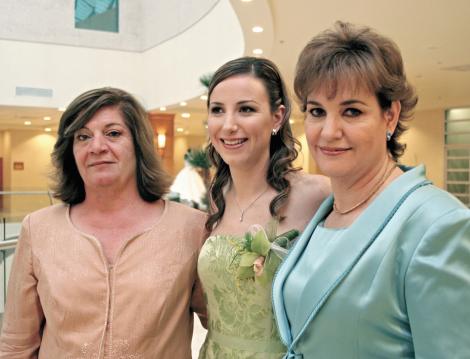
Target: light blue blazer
(399,288)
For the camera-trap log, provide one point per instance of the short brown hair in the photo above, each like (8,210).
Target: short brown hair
(152,181)
(361,58)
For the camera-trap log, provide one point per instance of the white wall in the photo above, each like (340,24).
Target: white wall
(142,23)
(162,75)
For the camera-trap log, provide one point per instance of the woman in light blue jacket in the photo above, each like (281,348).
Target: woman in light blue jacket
(383,269)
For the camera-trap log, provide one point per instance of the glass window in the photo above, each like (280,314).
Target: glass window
(101,15)
(457,137)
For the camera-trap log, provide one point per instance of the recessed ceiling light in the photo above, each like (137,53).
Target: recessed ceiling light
(291,121)
(27,123)
(203,97)
(257,29)
(179,129)
(48,129)
(61,109)
(183,103)
(258,51)
(186,115)
(46,118)
(163,108)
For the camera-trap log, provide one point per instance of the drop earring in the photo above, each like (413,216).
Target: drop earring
(388,134)
(273,132)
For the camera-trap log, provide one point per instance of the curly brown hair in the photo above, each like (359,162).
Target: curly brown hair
(283,145)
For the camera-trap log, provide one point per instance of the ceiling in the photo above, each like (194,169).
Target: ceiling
(433,35)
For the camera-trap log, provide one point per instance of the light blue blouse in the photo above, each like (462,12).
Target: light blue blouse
(324,240)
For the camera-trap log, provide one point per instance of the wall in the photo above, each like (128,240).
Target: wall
(142,24)
(425,144)
(33,149)
(159,76)
(163,20)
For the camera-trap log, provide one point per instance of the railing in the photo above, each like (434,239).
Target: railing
(8,244)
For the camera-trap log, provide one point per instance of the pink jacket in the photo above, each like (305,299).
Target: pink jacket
(65,302)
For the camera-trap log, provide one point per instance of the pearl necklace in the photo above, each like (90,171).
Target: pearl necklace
(369,196)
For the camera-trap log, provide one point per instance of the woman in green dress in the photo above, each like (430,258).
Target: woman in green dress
(253,149)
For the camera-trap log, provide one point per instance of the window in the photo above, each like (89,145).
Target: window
(457,155)
(101,15)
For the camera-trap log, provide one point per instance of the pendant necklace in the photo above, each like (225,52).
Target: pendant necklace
(369,196)
(242,211)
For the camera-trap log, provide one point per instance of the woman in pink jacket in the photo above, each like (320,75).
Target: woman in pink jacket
(111,272)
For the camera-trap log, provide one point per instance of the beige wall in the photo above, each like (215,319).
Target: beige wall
(425,144)
(33,149)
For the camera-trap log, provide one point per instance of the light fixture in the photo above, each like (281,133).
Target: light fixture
(183,103)
(161,140)
(27,123)
(203,97)
(179,129)
(186,115)
(291,121)
(257,29)
(48,129)
(246,0)
(163,108)
(61,109)
(257,51)
(46,118)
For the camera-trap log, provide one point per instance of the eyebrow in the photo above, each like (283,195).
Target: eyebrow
(344,103)
(238,103)
(106,126)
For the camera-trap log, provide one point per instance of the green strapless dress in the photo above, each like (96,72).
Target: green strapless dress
(241,321)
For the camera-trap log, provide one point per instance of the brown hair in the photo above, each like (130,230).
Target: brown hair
(152,181)
(282,150)
(359,57)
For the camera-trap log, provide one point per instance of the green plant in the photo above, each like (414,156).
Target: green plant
(198,158)
(206,79)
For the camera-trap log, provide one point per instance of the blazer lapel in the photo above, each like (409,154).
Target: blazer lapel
(329,275)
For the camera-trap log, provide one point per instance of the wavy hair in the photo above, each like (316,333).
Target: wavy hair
(152,181)
(282,150)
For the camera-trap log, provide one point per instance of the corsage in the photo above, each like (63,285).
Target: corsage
(262,252)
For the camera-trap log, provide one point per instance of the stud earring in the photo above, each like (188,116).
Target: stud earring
(274,132)
(388,134)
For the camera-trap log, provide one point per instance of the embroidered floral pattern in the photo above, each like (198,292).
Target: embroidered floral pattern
(241,321)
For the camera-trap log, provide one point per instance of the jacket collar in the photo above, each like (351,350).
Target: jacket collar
(365,229)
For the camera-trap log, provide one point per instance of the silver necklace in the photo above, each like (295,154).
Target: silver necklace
(242,211)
